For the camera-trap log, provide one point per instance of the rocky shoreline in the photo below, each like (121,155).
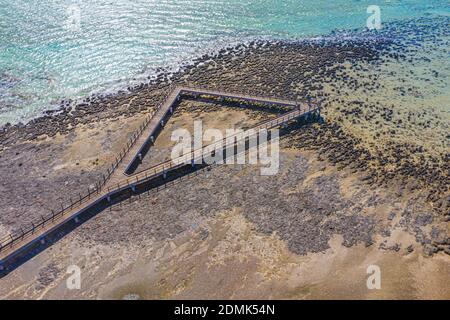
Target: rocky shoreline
(327,70)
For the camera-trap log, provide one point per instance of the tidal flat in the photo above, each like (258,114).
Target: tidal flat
(367,186)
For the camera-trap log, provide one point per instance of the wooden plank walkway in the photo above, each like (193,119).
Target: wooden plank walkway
(168,107)
(117,180)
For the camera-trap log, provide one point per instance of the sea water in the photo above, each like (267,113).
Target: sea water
(67,49)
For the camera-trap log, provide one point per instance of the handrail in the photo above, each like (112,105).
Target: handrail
(185,89)
(265,123)
(14,236)
(243,95)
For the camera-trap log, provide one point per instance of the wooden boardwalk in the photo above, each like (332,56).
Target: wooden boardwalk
(118,178)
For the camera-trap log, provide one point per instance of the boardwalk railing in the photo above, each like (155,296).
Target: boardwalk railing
(24,232)
(98,192)
(226,142)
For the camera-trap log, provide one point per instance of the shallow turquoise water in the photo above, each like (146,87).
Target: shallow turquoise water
(44,59)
